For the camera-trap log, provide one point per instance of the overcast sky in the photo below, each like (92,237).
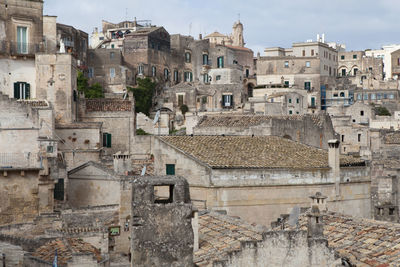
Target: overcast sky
(360,24)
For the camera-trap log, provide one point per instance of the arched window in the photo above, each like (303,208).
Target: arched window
(188,57)
(166,74)
(341,94)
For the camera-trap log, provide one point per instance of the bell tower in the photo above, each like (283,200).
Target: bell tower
(237,34)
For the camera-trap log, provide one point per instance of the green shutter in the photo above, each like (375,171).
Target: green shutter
(16,91)
(170,169)
(104,139)
(191,76)
(27,91)
(109,140)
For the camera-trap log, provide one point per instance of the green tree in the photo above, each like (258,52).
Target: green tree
(382,111)
(143,95)
(94,91)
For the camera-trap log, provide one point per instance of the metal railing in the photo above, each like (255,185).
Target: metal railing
(20,160)
(20,49)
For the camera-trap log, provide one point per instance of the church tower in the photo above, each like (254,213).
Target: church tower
(237,34)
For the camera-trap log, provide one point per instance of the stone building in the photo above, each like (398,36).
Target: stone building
(356,63)
(28,159)
(312,130)
(310,64)
(396,64)
(75,41)
(386,55)
(219,168)
(21,37)
(107,67)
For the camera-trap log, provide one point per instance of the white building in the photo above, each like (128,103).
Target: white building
(386,54)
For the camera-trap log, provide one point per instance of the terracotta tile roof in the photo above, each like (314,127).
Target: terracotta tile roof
(65,248)
(253,152)
(364,242)
(215,34)
(239,48)
(251,120)
(221,234)
(108,105)
(392,138)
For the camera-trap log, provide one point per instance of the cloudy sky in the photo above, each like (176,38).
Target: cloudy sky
(360,24)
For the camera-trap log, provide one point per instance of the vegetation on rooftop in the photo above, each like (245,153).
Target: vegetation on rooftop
(143,94)
(382,111)
(93,91)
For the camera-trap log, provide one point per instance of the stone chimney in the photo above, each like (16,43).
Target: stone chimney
(162,233)
(319,200)
(334,163)
(315,227)
(122,163)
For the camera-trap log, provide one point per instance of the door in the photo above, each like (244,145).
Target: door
(22,40)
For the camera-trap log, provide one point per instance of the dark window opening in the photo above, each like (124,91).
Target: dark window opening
(342,137)
(22,90)
(220,62)
(391,211)
(362,113)
(163,194)
(188,57)
(106,140)
(359,137)
(317,219)
(59,190)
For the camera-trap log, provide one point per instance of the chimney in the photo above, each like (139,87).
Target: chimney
(122,163)
(318,39)
(319,200)
(315,227)
(334,162)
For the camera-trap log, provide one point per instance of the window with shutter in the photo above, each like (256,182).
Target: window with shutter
(27,91)
(170,169)
(16,91)
(106,140)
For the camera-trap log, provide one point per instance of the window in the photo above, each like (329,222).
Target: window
(341,57)
(227,100)
(308,64)
(112,46)
(188,76)
(170,169)
(205,59)
(359,96)
(205,78)
(391,211)
(341,94)
(307,85)
(153,71)
(106,140)
(355,71)
(391,96)
(188,57)
(112,54)
(378,96)
(166,74)
(218,77)
(312,101)
(176,76)
(365,96)
(290,100)
(354,56)
(112,73)
(164,194)
(286,83)
(312,52)
(22,90)
(22,40)
(286,64)
(373,97)
(247,73)
(140,69)
(297,100)
(59,190)
(297,112)
(290,112)
(180,100)
(50,149)
(359,137)
(362,113)
(304,53)
(90,72)
(220,62)
(342,137)
(398,61)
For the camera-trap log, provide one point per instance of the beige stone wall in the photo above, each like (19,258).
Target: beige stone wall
(19,196)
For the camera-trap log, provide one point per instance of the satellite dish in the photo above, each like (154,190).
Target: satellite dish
(157,117)
(294,216)
(143,171)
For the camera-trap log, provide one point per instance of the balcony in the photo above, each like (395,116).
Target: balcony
(23,49)
(20,161)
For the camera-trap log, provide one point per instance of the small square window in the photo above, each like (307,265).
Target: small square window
(163,194)
(218,77)
(290,100)
(297,100)
(354,56)
(342,57)
(50,149)
(286,64)
(308,64)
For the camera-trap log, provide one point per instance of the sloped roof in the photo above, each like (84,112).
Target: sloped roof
(215,34)
(392,138)
(220,234)
(251,120)
(108,105)
(253,152)
(239,48)
(364,242)
(65,248)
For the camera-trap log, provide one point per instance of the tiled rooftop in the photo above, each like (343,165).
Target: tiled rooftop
(250,120)
(364,242)
(220,234)
(254,152)
(108,105)
(65,248)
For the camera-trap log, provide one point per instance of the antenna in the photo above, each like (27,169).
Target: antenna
(294,216)
(126,14)
(239,17)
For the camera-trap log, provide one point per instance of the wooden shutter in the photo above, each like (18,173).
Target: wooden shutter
(108,140)
(170,169)
(16,90)
(191,76)
(27,91)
